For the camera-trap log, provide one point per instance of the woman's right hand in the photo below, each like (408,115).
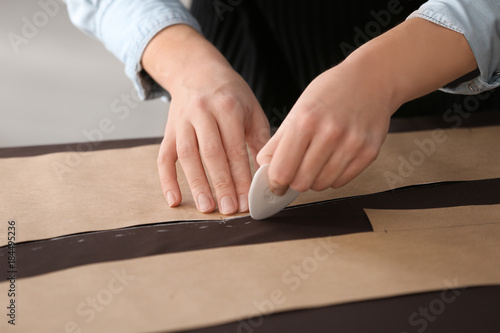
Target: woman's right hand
(213,115)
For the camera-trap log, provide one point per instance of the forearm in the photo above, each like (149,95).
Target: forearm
(411,60)
(179,54)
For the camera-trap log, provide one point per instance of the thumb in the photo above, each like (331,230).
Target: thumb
(266,153)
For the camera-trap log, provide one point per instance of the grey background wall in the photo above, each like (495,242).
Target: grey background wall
(58,84)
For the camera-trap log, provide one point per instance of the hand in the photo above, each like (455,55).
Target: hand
(211,121)
(337,127)
(333,132)
(213,115)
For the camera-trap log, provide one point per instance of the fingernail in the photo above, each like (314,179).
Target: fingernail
(226,205)
(243,203)
(204,204)
(279,191)
(170,198)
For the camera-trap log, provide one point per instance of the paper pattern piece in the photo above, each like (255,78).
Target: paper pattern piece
(410,251)
(449,217)
(200,288)
(67,192)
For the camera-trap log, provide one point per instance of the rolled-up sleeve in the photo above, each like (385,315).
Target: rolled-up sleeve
(479,22)
(125,27)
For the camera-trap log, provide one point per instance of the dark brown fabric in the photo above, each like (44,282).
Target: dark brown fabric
(473,310)
(329,218)
(309,221)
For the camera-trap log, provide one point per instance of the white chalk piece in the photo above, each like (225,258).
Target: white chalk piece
(262,202)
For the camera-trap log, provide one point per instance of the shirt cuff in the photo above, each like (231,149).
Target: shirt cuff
(127,26)
(479,22)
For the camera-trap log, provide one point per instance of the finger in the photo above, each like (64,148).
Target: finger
(189,157)
(167,172)
(287,156)
(234,143)
(317,155)
(266,153)
(331,171)
(215,159)
(368,155)
(340,160)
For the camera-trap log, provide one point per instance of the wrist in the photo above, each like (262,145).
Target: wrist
(413,59)
(179,54)
(373,78)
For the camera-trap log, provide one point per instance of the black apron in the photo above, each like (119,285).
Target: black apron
(280,46)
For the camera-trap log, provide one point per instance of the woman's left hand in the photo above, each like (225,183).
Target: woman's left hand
(333,132)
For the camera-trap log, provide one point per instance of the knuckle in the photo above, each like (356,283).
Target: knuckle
(221,181)
(313,112)
(241,185)
(319,186)
(301,185)
(262,158)
(197,185)
(165,162)
(334,131)
(211,149)
(338,184)
(167,180)
(314,107)
(199,103)
(371,152)
(185,151)
(161,159)
(167,184)
(165,155)
(241,177)
(280,177)
(355,143)
(237,152)
(307,122)
(227,103)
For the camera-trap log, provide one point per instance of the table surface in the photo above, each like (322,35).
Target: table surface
(475,309)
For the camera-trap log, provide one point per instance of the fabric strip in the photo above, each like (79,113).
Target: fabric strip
(59,194)
(203,288)
(471,310)
(334,217)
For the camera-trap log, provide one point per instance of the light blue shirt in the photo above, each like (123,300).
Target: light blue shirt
(125,27)
(479,22)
